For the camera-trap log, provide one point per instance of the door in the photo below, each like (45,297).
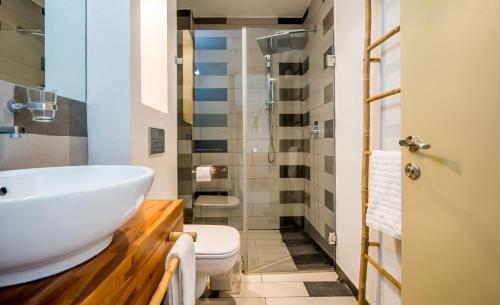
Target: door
(451,99)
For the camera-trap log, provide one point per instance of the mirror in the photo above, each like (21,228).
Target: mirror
(187,49)
(43,44)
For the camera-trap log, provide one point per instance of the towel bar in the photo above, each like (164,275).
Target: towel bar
(161,291)
(367,100)
(174,236)
(386,274)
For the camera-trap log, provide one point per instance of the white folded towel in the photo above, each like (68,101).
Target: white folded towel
(384,192)
(181,290)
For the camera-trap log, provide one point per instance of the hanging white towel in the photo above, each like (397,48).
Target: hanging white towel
(181,290)
(384,192)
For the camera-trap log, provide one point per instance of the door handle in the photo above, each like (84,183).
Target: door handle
(413,144)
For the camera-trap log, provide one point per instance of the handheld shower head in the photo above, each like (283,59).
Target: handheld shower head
(277,43)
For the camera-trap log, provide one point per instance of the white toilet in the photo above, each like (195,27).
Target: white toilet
(217,250)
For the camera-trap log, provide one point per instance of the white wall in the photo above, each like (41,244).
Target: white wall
(349,34)
(65,65)
(348,108)
(154,46)
(108,86)
(387,127)
(118,122)
(165,165)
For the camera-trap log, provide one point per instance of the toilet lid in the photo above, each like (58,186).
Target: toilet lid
(215,241)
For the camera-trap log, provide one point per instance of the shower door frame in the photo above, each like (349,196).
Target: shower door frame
(244,111)
(246,150)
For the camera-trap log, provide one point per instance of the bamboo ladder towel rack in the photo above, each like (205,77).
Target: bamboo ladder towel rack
(161,291)
(367,101)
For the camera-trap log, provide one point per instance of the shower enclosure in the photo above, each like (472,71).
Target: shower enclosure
(262,114)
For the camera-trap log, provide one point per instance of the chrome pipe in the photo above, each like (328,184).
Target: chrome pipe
(14,132)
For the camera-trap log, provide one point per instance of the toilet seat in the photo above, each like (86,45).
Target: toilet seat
(217,250)
(214,241)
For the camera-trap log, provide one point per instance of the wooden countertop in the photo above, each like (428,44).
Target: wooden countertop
(127,272)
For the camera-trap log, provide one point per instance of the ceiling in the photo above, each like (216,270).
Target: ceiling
(245,8)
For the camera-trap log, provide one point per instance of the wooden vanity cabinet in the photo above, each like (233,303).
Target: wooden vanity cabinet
(127,272)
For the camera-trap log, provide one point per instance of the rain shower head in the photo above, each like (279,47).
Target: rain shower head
(284,41)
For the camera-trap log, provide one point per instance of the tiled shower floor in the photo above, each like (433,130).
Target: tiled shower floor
(293,288)
(284,250)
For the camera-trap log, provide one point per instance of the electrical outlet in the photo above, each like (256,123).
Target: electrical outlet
(332,238)
(330,60)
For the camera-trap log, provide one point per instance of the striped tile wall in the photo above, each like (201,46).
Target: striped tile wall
(293,145)
(204,22)
(217,130)
(320,212)
(273,188)
(184,129)
(300,183)
(184,20)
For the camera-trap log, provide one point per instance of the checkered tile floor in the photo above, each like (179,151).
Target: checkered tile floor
(284,251)
(311,288)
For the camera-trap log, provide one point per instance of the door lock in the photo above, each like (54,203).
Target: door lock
(412,171)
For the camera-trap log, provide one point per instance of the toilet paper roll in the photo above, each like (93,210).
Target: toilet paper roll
(203,173)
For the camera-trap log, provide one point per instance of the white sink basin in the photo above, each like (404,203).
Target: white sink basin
(52,219)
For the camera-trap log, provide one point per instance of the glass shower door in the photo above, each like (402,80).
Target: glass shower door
(288,144)
(249,115)
(270,210)
(210,126)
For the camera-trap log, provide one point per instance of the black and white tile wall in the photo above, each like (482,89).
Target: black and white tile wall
(320,214)
(299,187)
(184,130)
(276,193)
(58,143)
(217,130)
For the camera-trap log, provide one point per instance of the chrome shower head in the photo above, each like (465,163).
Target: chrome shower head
(284,41)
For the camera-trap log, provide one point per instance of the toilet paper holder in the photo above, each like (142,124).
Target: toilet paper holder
(213,170)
